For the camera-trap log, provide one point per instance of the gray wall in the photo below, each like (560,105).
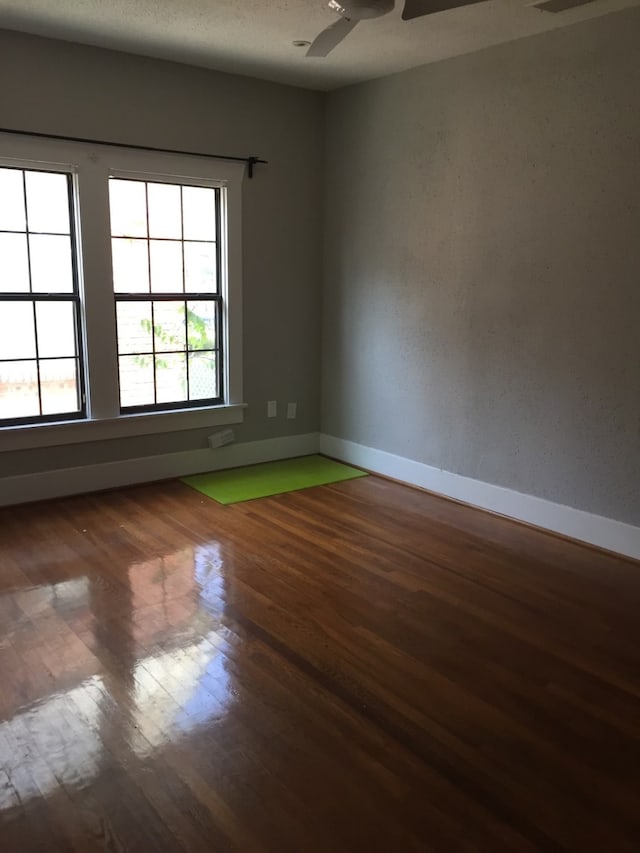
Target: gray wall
(55,87)
(482,292)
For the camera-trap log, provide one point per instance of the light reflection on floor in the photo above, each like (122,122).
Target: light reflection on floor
(39,602)
(171,677)
(177,691)
(72,752)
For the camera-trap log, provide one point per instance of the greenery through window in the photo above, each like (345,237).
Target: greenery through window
(166,259)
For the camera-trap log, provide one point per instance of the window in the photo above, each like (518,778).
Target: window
(164,240)
(40,367)
(120,292)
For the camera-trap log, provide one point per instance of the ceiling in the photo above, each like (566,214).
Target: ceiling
(255,37)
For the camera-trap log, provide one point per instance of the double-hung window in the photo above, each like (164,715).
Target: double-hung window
(41,369)
(120,292)
(164,240)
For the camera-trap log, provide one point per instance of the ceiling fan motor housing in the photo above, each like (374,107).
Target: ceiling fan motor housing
(360,10)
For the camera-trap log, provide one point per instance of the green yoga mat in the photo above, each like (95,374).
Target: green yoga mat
(270,478)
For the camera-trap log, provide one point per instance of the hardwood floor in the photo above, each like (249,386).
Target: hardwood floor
(358,667)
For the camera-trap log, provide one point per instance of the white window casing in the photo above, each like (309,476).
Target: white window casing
(92,166)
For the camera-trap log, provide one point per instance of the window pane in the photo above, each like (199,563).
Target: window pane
(59,386)
(55,322)
(199,213)
(19,389)
(47,202)
(127,200)
(164,211)
(134,327)
(136,380)
(51,270)
(203,376)
(169,326)
(130,265)
(201,326)
(14,263)
(200,267)
(166,266)
(11,200)
(17,331)
(171,377)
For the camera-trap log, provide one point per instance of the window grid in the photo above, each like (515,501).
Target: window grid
(38,297)
(176,297)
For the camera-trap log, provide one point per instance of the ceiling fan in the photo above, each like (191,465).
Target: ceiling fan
(351,12)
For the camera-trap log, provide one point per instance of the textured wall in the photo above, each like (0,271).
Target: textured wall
(482,298)
(55,87)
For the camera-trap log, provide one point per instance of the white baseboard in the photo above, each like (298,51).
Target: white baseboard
(577,524)
(126,472)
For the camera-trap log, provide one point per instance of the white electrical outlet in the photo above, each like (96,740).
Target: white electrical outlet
(291,410)
(272,409)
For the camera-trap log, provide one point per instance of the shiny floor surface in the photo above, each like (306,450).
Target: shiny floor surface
(356,667)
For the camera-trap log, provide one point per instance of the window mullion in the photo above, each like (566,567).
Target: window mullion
(100,321)
(33,304)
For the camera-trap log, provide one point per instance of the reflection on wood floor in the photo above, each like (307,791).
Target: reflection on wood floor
(358,667)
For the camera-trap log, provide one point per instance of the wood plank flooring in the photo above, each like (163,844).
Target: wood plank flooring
(357,667)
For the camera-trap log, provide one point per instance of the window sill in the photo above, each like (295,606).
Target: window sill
(77,432)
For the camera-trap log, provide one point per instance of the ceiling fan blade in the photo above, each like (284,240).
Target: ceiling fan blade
(560,5)
(331,37)
(418,8)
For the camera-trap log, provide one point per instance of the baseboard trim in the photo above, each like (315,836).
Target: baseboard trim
(576,524)
(573,523)
(126,472)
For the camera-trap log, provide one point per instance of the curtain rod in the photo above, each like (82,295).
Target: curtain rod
(250,161)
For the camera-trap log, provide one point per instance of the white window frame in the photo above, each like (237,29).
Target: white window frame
(92,166)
